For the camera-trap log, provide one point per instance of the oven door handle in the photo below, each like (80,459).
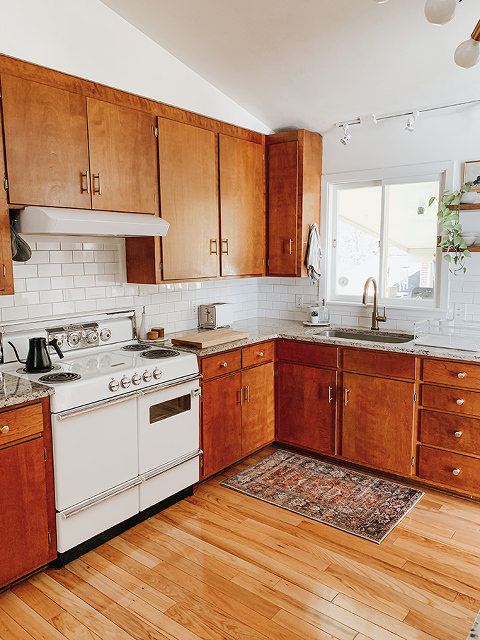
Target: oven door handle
(170,465)
(171,383)
(71,413)
(90,502)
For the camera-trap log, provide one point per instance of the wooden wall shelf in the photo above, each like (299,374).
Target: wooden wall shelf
(467,207)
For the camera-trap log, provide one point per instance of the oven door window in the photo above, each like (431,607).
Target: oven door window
(170,408)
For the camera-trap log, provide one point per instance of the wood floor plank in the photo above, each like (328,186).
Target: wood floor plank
(28,618)
(11,630)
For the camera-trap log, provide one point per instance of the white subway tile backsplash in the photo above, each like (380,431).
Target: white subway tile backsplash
(73,294)
(47,270)
(40,310)
(73,269)
(22,270)
(62,257)
(53,295)
(83,281)
(47,246)
(84,256)
(15,313)
(38,284)
(63,282)
(63,308)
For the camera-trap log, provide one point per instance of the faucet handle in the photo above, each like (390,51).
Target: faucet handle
(384,317)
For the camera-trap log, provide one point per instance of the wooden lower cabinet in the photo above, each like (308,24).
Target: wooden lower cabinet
(451,470)
(238,413)
(27,511)
(306,407)
(378,422)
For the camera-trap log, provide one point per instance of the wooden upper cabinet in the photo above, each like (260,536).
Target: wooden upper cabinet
(6,267)
(46,144)
(242,206)
(123,158)
(189,200)
(294,170)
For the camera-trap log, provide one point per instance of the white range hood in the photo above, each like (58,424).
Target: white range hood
(85,222)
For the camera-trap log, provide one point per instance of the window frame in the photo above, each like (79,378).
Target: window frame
(381,177)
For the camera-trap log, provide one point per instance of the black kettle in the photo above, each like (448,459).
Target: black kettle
(38,359)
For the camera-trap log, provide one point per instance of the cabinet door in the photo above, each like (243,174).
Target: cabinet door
(123,158)
(258,409)
(377,427)
(242,207)
(46,145)
(306,407)
(282,208)
(23,510)
(6,267)
(189,200)
(222,423)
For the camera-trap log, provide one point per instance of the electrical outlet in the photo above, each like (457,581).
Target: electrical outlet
(299,301)
(460,311)
(193,309)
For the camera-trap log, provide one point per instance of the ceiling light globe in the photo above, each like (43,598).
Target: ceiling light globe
(440,11)
(380,1)
(467,54)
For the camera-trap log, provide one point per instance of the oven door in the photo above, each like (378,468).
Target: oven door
(94,449)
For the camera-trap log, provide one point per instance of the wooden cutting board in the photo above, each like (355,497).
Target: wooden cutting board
(211,337)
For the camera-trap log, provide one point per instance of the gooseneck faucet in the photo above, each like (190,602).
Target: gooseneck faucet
(375,317)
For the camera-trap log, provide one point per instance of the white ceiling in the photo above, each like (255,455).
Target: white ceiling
(312,63)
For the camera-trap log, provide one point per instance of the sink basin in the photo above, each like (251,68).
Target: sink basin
(370,336)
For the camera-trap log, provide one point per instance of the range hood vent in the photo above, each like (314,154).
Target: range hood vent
(85,222)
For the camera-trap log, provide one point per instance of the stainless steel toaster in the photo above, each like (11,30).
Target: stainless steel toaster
(213,316)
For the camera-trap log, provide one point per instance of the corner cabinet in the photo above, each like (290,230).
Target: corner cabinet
(294,170)
(27,510)
(66,150)
(237,405)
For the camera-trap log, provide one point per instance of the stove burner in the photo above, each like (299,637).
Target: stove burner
(136,347)
(159,353)
(54,367)
(63,376)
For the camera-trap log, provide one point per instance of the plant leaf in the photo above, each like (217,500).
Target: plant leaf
(431,201)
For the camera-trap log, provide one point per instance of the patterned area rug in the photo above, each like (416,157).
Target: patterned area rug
(363,505)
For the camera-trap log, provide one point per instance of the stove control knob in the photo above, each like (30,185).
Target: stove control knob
(113,385)
(73,339)
(147,376)
(136,378)
(125,382)
(157,374)
(105,334)
(91,337)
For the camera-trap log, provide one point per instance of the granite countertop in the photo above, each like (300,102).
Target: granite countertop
(14,390)
(261,329)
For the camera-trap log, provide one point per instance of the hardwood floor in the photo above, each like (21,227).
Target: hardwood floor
(221,565)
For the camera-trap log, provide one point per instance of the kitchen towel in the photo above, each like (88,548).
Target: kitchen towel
(313,253)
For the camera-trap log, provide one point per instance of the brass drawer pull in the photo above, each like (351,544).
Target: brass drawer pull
(456,472)
(225,243)
(461,375)
(85,177)
(224,364)
(330,394)
(458,434)
(96,189)
(213,246)
(260,354)
(347,391)
(5,429)
(460,401)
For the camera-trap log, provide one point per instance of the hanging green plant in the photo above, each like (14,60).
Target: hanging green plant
(450,228)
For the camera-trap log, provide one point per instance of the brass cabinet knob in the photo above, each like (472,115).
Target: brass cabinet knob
(462,375)
(224,364)
(460,401)
(456,472)
(4,429)
(260,354)
(458,434)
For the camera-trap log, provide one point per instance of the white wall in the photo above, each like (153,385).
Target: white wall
(88,40)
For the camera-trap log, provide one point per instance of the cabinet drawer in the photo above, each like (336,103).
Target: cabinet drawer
(221,364)
(22,423)
(454,400)
(308,353)
(257,354)
(439,466)
(450,432)
(388,365)
(454,374)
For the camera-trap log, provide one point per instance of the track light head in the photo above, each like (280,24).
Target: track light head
(346,136)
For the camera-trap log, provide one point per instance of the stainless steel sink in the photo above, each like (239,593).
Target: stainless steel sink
(370,336)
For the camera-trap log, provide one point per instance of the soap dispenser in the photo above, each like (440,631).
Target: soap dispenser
(323,314)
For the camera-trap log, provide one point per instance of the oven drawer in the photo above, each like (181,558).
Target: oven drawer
(19,424)
(454,400)
(452,374)
(452,470)
(166,483)
(450,432)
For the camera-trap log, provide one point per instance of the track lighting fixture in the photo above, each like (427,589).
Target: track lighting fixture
(440,12)
(346,136)
(411,120)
